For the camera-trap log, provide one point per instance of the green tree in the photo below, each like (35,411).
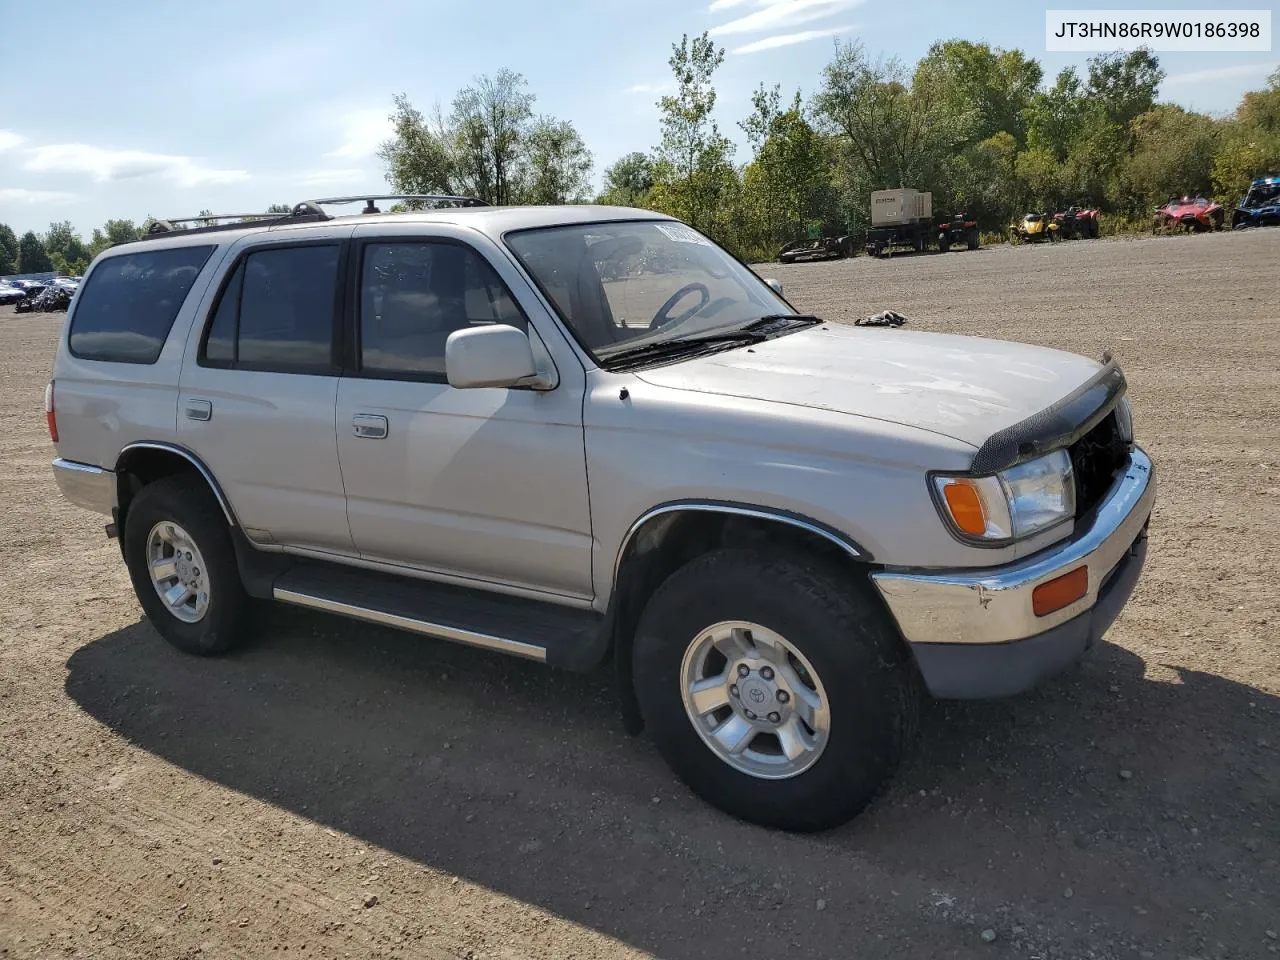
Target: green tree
(1124,85)
(32,257)
(492,120)
(1173,153)
(8,250)
(279,208)
(420,154)
(490,146)
(901,136)
(627,183)
(789,179)
(66,250)
(559,164)
(1056,117)
(1250,141)
(111,233)
(694,161)
(989,89)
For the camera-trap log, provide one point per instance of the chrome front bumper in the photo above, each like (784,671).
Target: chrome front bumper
(993,605)
(86,485)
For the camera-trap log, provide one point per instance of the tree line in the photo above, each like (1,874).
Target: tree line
(977,125)
(60,248)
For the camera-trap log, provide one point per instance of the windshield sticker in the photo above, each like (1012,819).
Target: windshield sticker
(679,233)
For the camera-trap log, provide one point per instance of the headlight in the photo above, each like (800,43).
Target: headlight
(1011,505)
(1124,420)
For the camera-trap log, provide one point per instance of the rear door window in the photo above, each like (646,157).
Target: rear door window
(129,303)
(277,312)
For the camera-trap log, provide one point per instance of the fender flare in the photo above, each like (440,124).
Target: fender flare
(196,462)
(799,521)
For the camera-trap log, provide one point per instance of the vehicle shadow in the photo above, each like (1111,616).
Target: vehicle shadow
(520,778)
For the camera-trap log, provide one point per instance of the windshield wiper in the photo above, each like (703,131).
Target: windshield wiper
(773,319)
(758,330)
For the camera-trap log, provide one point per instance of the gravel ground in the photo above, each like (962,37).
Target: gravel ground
(343,791)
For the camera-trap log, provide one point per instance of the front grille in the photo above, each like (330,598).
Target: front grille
(1096,458)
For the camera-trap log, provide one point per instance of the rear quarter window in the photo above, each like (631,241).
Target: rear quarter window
(128,305)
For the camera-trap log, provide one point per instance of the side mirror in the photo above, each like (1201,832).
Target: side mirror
(774,285)
(488,356)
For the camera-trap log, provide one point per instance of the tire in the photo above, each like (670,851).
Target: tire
(183,502)
(852,651)
(944,244)
(972,239)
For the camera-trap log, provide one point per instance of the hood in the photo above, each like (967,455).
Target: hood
(966,388)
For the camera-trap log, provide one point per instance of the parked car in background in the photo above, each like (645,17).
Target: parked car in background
(9,294)
(54,298)
(1260,206)
(31,292)
(1197,215)
(776,529)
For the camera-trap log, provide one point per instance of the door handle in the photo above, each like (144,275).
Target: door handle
(370,426)
(197,410)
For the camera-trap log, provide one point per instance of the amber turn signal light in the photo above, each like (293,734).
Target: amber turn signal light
(965,507)
(1060,591)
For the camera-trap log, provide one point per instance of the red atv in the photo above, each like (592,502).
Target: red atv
(956,231)
(1077,223)
(1193,216)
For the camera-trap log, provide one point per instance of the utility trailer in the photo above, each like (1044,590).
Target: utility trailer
(900,219)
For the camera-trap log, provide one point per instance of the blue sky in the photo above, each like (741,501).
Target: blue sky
(164,108)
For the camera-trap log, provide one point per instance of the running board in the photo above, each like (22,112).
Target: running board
(535,630)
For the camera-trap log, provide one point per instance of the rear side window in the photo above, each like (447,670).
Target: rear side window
(129,304)
(276,312)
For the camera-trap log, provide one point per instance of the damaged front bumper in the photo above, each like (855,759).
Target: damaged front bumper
(975,634)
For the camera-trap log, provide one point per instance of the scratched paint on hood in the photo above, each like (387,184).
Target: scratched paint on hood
(963,387)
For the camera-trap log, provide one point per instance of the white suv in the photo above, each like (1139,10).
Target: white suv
(577,434)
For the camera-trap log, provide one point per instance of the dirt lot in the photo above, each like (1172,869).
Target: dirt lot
(155,805)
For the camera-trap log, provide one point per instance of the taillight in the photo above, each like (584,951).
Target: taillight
(50,417)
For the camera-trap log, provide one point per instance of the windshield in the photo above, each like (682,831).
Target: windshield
(1260,194)
(627,283)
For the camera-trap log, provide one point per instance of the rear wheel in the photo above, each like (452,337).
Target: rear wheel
(178,549)
(971,239)
(776,689)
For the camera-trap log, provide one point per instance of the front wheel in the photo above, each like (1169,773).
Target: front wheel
(776,688)
(178,549)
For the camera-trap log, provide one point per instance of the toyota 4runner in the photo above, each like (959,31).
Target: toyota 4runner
(588,434)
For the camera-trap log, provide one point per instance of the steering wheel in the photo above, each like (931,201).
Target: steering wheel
(660,319)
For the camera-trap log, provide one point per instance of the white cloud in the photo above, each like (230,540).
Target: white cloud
(717,5)
(363,132)
(22,195)
(776,14)
(103,165)
(9,139)
(1219,73)
(314,178)
(788,39)
(649,88)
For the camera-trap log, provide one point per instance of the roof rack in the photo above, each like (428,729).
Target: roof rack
(302,213)
(308,211)
(371,207)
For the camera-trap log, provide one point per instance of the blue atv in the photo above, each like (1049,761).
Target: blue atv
(1260,206)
